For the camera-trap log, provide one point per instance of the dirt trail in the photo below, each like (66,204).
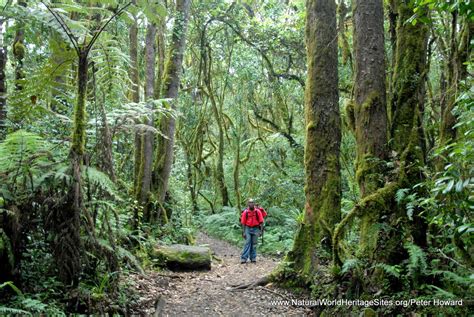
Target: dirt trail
(208,293)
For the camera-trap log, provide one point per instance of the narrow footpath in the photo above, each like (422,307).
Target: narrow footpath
(212,293)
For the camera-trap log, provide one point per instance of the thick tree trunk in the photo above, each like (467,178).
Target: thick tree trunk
(323,138)
(370,109)
(169,89)
(407,106)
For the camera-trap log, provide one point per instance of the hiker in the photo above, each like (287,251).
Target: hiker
(252,225)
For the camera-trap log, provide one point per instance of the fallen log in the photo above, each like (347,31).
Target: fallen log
(178,257)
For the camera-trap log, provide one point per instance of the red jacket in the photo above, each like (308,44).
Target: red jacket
(253,218)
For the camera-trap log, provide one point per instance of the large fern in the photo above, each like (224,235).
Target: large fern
(24,157)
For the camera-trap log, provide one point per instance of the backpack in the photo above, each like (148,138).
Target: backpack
(246,210)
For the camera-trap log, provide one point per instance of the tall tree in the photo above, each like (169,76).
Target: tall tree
(369,107)
(133,72)
(459,53)
(407,105)
(147,137)
(323,138)
(3,84)
(135,95)
(169,89)
(19,51)
(66,218)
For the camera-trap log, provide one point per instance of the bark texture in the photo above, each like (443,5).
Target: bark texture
(169,89)
(3,88)
(65,220)
(147,136)
(323,137)
(407,106)
(370,108)
(460,53)
(19,52)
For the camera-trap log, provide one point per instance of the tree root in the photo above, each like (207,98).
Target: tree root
(260,282)
(379,197)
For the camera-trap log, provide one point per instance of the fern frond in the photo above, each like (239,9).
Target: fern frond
(102,181)
(349,264)
(125,254)
(13,311)
(454,278)
(417,260)
(443,293)
(393,270)
(122,254)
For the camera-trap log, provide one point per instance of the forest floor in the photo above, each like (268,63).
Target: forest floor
(212,293)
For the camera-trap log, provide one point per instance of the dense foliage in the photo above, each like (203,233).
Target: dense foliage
(88,106)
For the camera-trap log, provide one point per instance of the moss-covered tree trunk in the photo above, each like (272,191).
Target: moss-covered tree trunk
(169,89)
(323,138)
(67,243)
(217,114)
(369,109)
(407,106)
(459,53)
(236,172)
(3,85)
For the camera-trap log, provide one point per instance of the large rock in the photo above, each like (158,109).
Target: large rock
(183,257)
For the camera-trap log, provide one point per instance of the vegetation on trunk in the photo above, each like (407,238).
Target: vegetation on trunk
(323,138)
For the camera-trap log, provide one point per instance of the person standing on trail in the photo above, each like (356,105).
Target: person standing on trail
(252,225)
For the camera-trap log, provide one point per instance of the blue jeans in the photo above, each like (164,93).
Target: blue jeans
(250,247)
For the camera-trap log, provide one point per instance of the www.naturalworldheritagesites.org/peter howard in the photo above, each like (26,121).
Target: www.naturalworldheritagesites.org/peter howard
(368,303)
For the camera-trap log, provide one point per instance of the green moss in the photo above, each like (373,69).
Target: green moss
(19,50)
(6,248)
(80,115)
(184,256)
(349,118)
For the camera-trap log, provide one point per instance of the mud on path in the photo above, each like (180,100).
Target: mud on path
(209,293)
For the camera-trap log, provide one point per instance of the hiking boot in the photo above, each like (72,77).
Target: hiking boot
(243,262)
(254,262)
